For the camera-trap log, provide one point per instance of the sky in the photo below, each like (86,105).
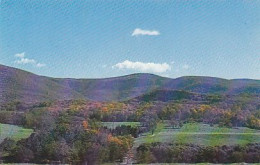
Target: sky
(107,38)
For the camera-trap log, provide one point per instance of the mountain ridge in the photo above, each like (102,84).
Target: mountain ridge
(20,85)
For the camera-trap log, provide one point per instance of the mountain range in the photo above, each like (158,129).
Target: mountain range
(19,85)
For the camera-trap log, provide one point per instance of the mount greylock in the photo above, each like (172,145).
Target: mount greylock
(19,85)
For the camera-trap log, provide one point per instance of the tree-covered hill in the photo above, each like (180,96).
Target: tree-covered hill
(19,85)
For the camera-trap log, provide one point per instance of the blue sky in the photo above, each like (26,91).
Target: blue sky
(104,38)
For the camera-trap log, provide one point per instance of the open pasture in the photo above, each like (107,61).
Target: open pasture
(13,132)
(201,134)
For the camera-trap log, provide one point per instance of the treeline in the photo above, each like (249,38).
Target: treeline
(180,153)
(71,131)
(234,116)
(62,138)
(233,111)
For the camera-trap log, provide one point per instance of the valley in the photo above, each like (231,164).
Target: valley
(142,118)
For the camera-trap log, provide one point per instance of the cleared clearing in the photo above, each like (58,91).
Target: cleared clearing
(13,132)
(202,134)
(113,125)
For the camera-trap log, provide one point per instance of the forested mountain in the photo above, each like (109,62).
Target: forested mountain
(19,85)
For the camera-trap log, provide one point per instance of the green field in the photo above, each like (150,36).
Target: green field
(113,125)
(202,134)
(13,132)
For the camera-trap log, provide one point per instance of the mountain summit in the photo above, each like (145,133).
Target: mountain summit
(19,85)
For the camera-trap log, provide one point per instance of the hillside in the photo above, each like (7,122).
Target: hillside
(114,89)
(167,95)
(16,84)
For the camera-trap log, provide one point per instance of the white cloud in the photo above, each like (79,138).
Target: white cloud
(143,67)
(20,55)
(39,65)
(166,75)
(139,31)
(186,66)
(23,60)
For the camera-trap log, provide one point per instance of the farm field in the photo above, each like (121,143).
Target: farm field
(13,132)
(201,134)
(113,125)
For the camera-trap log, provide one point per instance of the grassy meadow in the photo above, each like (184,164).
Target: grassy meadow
(13,132)
(202,134)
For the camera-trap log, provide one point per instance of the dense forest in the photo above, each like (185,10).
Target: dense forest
(73,131)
